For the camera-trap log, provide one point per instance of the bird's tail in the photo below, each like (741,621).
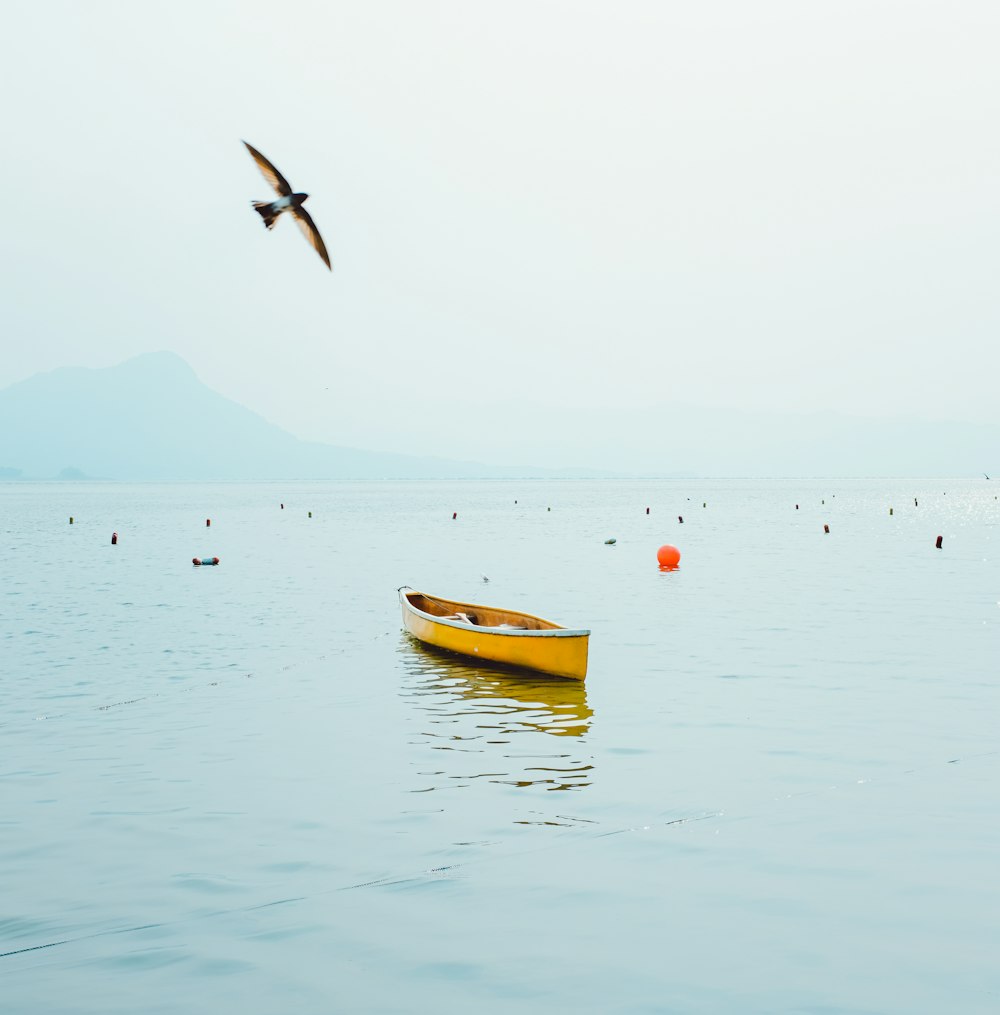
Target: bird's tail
(266,211)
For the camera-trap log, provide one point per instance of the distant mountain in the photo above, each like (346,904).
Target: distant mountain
(150,418)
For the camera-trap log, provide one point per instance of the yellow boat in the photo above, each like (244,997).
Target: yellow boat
(500,636)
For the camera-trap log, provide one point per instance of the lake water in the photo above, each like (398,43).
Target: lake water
(245,789)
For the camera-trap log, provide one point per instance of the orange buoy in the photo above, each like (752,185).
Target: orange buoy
(668,556)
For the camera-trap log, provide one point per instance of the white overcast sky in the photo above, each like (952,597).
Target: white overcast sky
(768,205)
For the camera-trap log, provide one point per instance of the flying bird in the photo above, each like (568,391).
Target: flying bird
(269,211)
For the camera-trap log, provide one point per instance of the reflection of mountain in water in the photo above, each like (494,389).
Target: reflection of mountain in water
(501,726)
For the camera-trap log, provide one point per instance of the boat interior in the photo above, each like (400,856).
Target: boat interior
(478,616)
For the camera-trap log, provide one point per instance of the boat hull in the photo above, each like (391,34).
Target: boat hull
(549,649)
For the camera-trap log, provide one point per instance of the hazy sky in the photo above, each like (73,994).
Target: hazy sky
(777,205)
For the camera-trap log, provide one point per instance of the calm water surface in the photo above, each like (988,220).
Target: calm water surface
(244,789)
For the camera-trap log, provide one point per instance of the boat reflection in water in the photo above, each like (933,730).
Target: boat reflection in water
(499,725)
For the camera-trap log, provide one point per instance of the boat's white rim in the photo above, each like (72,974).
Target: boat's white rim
(558,632)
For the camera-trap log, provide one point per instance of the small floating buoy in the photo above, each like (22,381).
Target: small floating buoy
(454,515)
(282,507)
(915,502)
(940,540)
(826,528)
(704,503)
(208,523)
(310,514)
(548,509)
(890,512)
(796,507)
(680,518)
(204,561)
(668,556)
(647,511)
(610,542)
(71,519)
(114,538)
(822,502)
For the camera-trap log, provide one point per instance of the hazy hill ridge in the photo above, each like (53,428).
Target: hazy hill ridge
(150,418)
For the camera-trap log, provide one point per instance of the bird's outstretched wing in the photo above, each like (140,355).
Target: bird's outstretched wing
(280,184)
(311,233)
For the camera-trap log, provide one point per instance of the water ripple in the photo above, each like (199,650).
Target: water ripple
(478,714)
